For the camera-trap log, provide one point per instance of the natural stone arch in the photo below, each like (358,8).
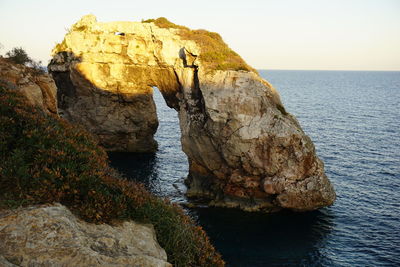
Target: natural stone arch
(244,149)
(113,101)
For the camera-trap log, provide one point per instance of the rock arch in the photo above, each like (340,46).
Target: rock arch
(244,150)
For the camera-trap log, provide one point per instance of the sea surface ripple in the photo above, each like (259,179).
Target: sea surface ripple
(353,118)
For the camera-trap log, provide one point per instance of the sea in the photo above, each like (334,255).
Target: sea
(353,118)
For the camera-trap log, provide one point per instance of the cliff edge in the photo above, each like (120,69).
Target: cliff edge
(50,235)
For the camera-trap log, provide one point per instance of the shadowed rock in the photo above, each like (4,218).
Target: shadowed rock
(52,236)
(38,88)
(244,149)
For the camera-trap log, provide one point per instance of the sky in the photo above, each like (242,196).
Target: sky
(268,34)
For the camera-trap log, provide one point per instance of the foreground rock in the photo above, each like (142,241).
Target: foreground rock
(52,236)
(38,87)
(244,149)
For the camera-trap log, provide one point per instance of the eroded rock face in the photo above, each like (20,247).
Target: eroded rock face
(52,236)
(244,149)
(258,153)
(38,88)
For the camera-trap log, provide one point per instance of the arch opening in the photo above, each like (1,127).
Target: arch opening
(163,172)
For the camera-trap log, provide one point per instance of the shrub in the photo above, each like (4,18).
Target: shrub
(164,23)
(18,56)
(44,159)
(215,54)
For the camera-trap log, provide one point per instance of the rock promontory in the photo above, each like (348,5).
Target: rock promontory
(50,235)
(244,149)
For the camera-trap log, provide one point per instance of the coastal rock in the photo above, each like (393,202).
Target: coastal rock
(52,236)
(38,88)
(244,149)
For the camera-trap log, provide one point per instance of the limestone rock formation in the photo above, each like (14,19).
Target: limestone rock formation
(52,236)
(244,149)
(38,88)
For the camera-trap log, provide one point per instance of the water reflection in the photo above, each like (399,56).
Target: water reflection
(140,167)
(278,239)
(162,173)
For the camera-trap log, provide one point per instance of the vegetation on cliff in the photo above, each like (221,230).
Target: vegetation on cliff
(44,159)
(19,56)
(215,54)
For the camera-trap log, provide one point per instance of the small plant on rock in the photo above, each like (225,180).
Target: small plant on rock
(19,56)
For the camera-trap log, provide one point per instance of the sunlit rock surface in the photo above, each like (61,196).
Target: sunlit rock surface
(51,235)
(244,149)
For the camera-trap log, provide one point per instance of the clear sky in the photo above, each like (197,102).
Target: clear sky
(279,34)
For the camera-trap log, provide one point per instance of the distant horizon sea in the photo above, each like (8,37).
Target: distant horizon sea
(353,118)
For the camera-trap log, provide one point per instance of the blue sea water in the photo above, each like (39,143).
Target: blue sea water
(353,117)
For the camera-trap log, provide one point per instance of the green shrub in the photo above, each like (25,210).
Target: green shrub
(215,54)
(18,56)
(44,159)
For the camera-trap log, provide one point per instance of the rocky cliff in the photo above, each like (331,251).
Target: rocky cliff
(37,87)
(52,236)
(244,149)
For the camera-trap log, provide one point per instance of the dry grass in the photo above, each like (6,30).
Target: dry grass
(215,54)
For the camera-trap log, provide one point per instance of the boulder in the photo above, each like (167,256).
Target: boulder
(37,87)
(50,235)
(244,149)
